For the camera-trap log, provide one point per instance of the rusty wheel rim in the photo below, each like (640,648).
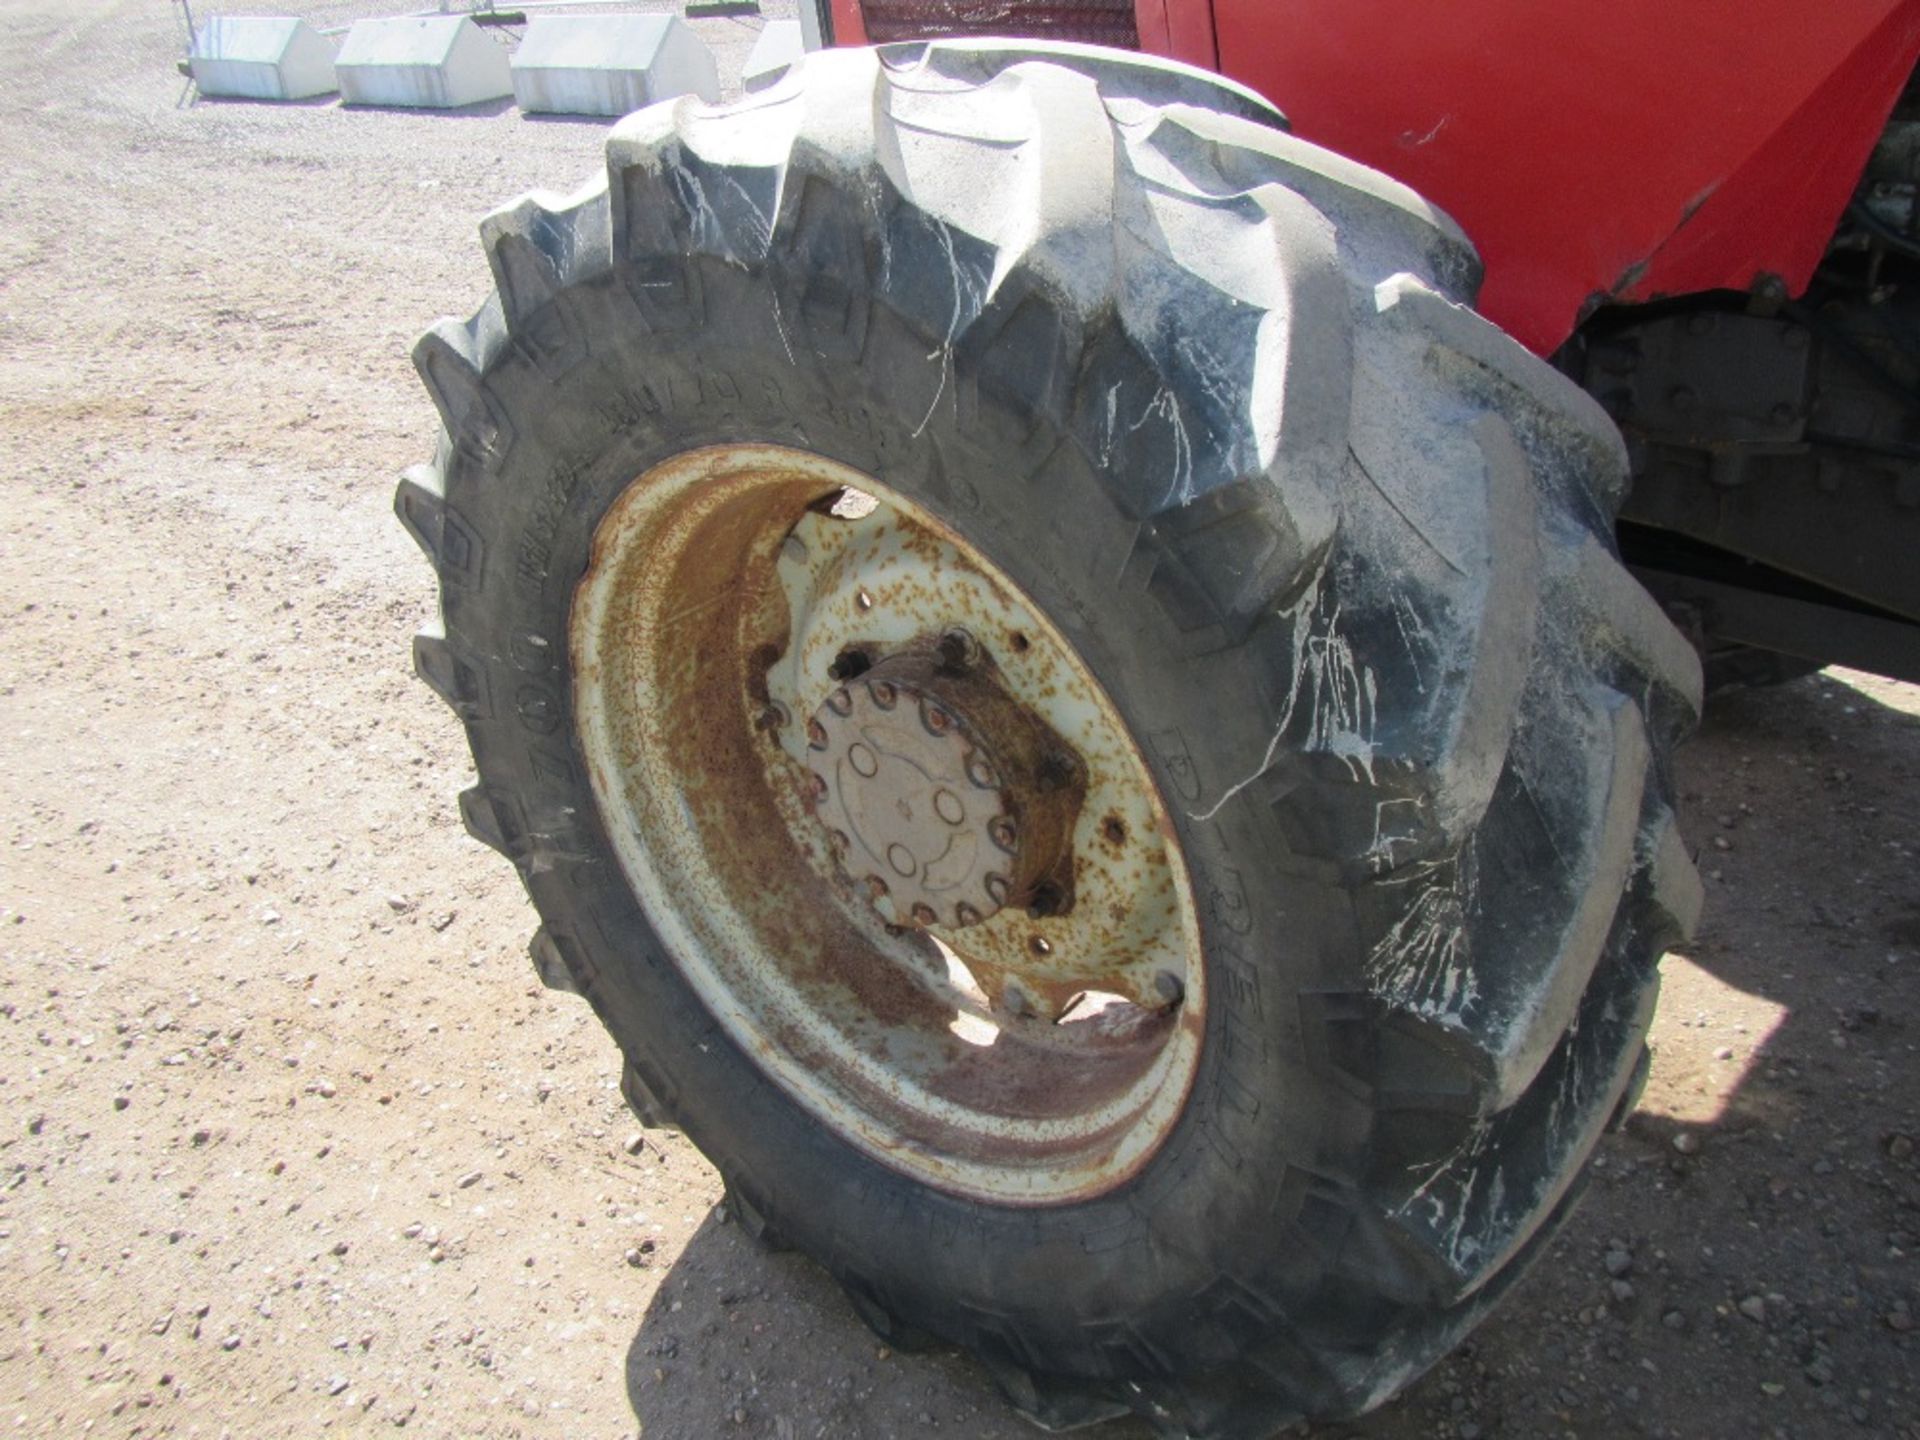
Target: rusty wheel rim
(887,824)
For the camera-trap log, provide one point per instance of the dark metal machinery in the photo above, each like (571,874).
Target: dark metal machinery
(1775,447)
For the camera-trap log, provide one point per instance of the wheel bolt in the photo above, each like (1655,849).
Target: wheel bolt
(1169,987)
(980,773)
(840,702)
(998,888)
(937,720)
(816,735)
(1000,830)
(964,914)
(923,913)
(884,695)
(959,650)
(1015,1002)
(819,787)
(1058,770)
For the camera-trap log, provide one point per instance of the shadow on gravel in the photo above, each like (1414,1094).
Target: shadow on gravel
(1739,1265)
(246,102)
(478,110)
(743,1341)
(592,122)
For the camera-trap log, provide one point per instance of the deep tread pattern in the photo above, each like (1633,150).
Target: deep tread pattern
(753,1221)
(1050,1402)
(555,969)
(446,538)
(647,1107)
(907,1338)
(1244,376)
(452,675)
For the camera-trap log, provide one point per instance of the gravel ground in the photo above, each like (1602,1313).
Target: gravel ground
(290,1140)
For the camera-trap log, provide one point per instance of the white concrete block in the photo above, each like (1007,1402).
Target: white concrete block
(434,62)
(781,43)
(610,64)
(262,57)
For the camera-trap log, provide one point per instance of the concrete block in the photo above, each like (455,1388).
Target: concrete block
(781,43)
(262,57)
(610,64)
(433,62)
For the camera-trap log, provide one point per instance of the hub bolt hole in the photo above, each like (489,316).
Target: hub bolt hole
(1046,901)
(959,650)
(1058,770)
(850,664)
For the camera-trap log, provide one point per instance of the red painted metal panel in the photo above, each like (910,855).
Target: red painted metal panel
(1180,29)
(1626,149)
(848,27)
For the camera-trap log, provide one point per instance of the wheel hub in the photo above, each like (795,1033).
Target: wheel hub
(943,795)
(913,803)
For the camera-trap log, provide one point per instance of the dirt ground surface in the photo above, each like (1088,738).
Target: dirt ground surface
(291,1141)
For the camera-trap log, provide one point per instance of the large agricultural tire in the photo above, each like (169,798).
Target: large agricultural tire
(1205,409)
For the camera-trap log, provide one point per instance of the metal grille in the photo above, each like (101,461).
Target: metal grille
(1097,22)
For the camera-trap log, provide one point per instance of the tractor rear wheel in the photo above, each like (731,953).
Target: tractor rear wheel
(1075,712)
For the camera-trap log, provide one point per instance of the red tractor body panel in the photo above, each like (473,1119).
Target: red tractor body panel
(1593,152)
(1620,151)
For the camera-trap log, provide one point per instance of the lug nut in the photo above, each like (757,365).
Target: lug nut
(1015,1002)
(937,720)
(1000,830)
(923,913)
(980,773)
(840,702)
(964,914)
(883,693)
(819,787)
(959,650)
(1169,987)
(998,888)
(1058,770)
(816,735)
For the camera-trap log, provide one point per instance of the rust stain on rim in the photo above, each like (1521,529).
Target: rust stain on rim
(1031,1043)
